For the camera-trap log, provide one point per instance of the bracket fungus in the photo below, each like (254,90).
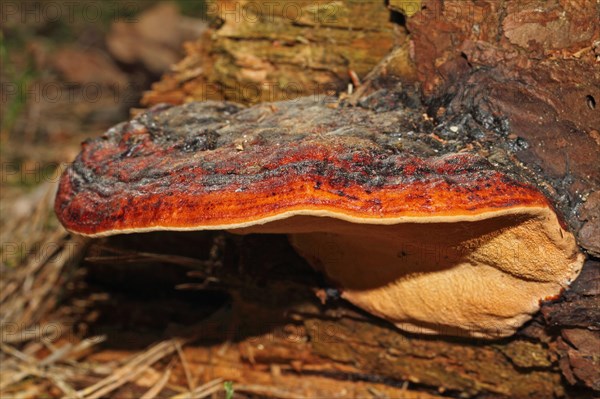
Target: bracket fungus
(444,244)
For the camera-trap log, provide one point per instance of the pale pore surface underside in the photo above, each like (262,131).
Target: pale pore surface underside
(482,278)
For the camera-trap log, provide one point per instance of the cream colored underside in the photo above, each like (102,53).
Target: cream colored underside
(481,278)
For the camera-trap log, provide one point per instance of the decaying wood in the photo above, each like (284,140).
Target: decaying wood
(536,69)
(269,51)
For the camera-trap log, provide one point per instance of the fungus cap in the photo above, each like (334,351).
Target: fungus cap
(437,245)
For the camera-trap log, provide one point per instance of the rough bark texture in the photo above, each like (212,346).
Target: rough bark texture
(269,51)
(516,82)
(536,65)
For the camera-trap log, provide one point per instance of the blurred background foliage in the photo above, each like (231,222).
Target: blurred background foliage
(71,69)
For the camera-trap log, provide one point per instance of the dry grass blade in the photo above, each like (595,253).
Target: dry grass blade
(202,391)
(70,350)
(11,378)
(160,384)
(56,354)
(67,389)
(17,353)
(23,220)
(34,286)
(132,369)
(39,251)
(184,364)
(21,365)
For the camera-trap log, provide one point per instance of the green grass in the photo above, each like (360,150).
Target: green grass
(229,391)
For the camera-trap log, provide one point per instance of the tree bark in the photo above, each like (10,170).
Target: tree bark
(268,51)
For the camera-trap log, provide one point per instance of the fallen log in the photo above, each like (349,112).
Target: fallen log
(366,347)
(493,80)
